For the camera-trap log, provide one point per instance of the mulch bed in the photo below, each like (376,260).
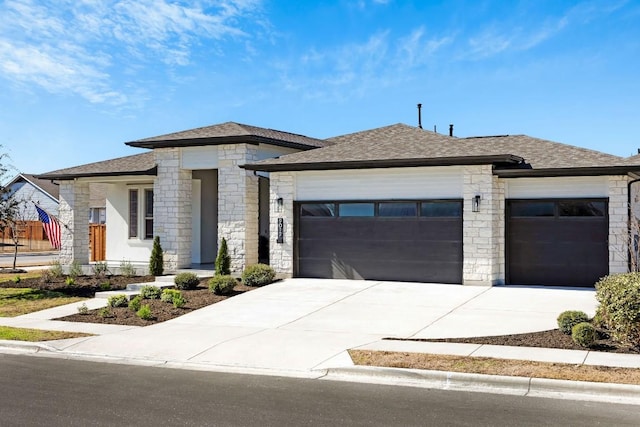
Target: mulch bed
(548,339)
(162,311)
(83,286)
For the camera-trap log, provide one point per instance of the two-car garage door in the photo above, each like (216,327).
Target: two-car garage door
(383,240)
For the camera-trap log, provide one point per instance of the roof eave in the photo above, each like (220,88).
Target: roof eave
(68,177)
(384,163)
(558,172)
(218,140)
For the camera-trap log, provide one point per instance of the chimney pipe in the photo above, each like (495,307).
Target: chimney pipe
(420,116)
(451,130)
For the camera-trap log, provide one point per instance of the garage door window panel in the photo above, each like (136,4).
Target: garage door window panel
(356,209)
(318,209)
(581,208)
(442,209)
(397,209)
(533,209)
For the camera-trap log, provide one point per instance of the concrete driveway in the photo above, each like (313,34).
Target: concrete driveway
(304,324)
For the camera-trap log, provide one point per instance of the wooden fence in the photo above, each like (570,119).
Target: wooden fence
(98,242)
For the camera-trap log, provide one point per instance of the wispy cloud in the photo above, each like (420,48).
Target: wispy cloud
(71,45)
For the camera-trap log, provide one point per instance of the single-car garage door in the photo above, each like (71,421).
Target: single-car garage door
(557,242)
(380,240)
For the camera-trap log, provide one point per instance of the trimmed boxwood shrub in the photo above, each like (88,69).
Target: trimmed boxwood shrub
(186,281)
(120,300)
(568,319)
(168,295)
(258,275)
(222,285)
(135,303)
(150,292)
(584,334)
(145,313)
(619,308)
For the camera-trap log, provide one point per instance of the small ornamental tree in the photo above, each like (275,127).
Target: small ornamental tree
(223,260)
(156,262)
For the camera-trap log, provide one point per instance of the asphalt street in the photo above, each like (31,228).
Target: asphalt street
(38,391)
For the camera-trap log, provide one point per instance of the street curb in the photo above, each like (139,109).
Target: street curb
(24,347)
(521,386)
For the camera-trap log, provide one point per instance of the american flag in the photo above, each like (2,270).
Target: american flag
(51,227)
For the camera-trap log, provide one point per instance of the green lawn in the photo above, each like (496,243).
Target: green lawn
(22,334)
(18,301)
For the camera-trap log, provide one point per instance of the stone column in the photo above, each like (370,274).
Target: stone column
(618,225)
(172,209)
(281,185)
(238,204)
(74,222)
(483,231)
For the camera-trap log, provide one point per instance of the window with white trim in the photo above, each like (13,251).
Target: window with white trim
(141,213)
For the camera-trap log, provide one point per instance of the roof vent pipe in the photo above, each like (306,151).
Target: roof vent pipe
(420,116)
(451,129)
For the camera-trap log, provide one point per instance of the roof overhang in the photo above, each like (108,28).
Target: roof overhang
(580,171)
(385,163)
(218,140)
(68,177)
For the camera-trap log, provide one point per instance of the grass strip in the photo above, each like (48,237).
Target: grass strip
(32,335)
(491,366)
(19,301)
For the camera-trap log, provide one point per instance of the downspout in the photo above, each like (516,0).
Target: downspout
(629,213)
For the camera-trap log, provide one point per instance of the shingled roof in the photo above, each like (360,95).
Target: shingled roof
(138,164)
(402,145)
(53,190)
(230,133)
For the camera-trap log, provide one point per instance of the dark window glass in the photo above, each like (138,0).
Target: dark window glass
(357,209)
(532,209)
(440,209)
(148,214)
(318,209)
(133,213)
(396,209)
(581,208)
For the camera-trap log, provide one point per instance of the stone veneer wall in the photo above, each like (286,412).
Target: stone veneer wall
(172,209)
(282,184)
(238,204)
(483,231)
(618,224)
(73,215)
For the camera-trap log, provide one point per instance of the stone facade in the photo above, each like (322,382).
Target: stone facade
(618,224)
(238,204)
(74,222)
(172,209)
(281,254)
(483,231)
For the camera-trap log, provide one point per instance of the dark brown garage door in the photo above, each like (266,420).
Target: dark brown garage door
(406,241)
(557,242)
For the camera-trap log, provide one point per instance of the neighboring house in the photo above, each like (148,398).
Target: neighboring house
(29,188)
(393,203)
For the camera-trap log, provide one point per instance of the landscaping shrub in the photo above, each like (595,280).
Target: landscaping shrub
(105,286)
(584,334)
(17,279)
(56,269)
(99,269)
(619,308)
(222,285)
(126,269)
(168,295)
(105,312)
(119,300)
(145,313)
(186,281)
(258,275)
(75,269)
(223,260)
(150,292)
(156,262)
(135,303)
(568,319)
(83,309)
(70,281)
(46,277)
(179,301)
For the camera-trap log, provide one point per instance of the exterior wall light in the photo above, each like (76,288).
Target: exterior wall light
(475,203)
(279,203)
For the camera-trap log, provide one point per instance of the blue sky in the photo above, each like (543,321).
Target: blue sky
(78,78)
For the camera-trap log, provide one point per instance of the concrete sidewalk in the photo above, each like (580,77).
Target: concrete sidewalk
(302,327)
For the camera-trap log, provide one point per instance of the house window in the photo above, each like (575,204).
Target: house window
(148,214)
(133,213)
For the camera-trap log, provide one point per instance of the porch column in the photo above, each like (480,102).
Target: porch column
(74,222)
(172,209)
(483,231)
(281,185)
(238,204)
(619,234)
